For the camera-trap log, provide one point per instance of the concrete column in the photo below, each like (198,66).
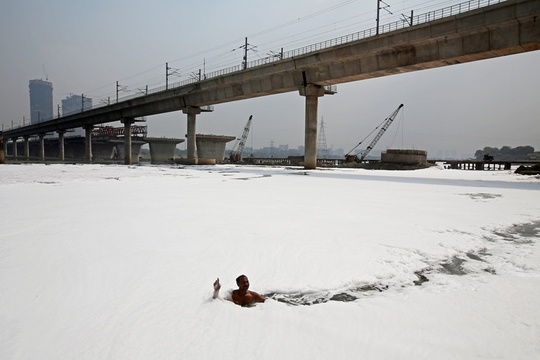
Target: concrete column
(211,148)
(162,149)
(127,140)
(88,142)
(311,93)
(191,133)
(2,149)
(14,147)
(61,147)
(27,147)
(42,146)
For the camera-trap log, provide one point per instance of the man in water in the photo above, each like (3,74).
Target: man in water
(242,296)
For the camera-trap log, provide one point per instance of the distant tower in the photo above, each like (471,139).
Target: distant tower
(272,148)
(322,148)
(41,101)
(75,104)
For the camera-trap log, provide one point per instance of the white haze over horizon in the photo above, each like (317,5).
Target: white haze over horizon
(117,262)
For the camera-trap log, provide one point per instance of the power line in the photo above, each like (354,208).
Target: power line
(309,16)
(227,58)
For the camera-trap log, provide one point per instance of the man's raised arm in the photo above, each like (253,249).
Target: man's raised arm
(217,286)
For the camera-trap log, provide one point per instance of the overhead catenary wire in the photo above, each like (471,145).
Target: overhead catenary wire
(231,43)
(228,58)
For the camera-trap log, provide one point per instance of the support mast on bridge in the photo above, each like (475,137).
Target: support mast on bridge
(385,7)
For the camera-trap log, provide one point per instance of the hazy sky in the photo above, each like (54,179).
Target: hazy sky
(84,47)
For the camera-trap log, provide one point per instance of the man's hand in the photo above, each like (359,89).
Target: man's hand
(217,286)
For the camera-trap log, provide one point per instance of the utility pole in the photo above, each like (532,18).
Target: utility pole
(246,47)
(167,74)
(245,54)
(379,11)
(118,89)
(408,20)
(144,92)
(277,55)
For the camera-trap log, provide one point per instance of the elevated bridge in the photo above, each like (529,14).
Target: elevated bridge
(470,31)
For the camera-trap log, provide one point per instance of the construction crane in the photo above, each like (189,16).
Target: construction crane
(377,137)
(236,153)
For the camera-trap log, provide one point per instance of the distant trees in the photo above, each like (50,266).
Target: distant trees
(506,153)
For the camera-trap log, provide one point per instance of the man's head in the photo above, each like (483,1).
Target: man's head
(242,282)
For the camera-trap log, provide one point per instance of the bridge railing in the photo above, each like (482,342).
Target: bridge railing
(386,28)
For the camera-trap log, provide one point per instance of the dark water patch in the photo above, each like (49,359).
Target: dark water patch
(343,297)
(473,256)
(453,266)
(297,299)
(252,177)
(483,196)
(346,295)
(524,233)
(421,278)
(528,230)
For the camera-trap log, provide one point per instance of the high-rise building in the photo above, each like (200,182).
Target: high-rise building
(74,104)
(41,101)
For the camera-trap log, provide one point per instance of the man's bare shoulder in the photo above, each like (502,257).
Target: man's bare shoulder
(257,297)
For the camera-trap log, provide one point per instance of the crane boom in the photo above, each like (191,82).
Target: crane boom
(236,153)
(377,137)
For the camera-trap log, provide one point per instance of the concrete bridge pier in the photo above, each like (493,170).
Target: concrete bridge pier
(88,142)
(27,146)
(2,149)
(191,136)
(211,148)
(61,147)
(42,146)
(312,93)
(162,149)
(14,140)
(127,140)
